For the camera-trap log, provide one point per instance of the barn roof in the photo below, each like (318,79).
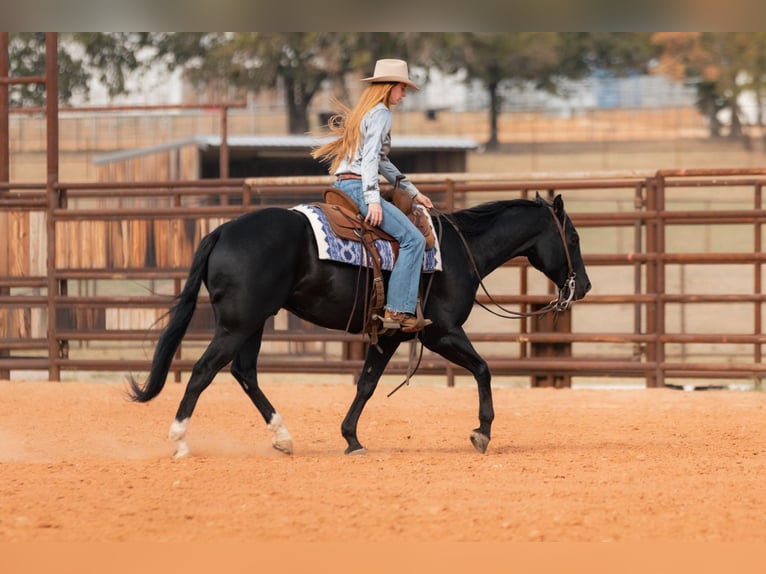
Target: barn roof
(285,143)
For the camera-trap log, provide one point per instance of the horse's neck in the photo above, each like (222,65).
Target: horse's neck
(509,237)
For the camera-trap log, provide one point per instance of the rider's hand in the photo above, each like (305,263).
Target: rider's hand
(374,214)
(423,200)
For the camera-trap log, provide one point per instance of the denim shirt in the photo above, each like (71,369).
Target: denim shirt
(372,157)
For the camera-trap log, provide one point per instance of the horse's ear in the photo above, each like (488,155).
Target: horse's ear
(558,206)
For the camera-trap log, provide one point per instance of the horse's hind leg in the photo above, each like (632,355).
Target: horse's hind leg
(218,353)
(244,370)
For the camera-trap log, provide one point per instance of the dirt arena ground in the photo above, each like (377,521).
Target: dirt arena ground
(79,463)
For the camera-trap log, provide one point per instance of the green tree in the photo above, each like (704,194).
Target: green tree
(298,62)
(542,59)
(111,57)
(81,56)
(582,53)
(26,54)
(498,58)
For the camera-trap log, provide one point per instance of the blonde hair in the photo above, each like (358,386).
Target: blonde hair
(346,125)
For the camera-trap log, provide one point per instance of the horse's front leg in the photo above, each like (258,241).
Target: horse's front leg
(455,346)
(480,436)
(374,365)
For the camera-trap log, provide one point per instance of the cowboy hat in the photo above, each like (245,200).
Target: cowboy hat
(391,70)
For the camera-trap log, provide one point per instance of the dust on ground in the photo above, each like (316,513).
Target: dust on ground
(79,462)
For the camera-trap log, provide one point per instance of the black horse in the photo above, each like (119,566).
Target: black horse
(267,260)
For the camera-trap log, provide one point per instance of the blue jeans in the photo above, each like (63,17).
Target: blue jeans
(402,292)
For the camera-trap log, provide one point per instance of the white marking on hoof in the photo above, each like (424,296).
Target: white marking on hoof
(479,441)
(358,452)
(282,441)
(178,434)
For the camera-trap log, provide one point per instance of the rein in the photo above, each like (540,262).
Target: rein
(561,303)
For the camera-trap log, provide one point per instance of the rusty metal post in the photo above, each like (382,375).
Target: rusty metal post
(223,152)
(758,287)
(354,351)
(660,282)
(52,140)
(523,307)
(5,152)
(5,165)
(638,203)
(449,200)
(651,280)
(449,196)
(550,323)
(177,288)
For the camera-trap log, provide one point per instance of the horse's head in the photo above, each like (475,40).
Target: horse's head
(557,253)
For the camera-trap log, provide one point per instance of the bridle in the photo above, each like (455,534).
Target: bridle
(566,292)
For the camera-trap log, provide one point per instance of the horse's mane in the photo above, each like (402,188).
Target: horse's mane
(477,219)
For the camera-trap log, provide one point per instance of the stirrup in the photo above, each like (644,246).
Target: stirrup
(390,323)
(420,321)
(420,324)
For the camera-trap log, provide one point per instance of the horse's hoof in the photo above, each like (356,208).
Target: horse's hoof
(182,451)
(479,441)
(285,446)
(361,451)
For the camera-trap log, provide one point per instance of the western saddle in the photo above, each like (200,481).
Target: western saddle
(347,222)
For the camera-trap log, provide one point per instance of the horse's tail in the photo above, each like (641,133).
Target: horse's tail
(180,317)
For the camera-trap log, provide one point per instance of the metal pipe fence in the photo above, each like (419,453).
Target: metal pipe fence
(93,268)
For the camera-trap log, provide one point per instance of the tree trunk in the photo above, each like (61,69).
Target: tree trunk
(298,121)
(494,111)
(710,110)
(297,107)
(735,130)
(707,105)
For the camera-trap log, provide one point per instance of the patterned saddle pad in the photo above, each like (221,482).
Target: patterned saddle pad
(333,248)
